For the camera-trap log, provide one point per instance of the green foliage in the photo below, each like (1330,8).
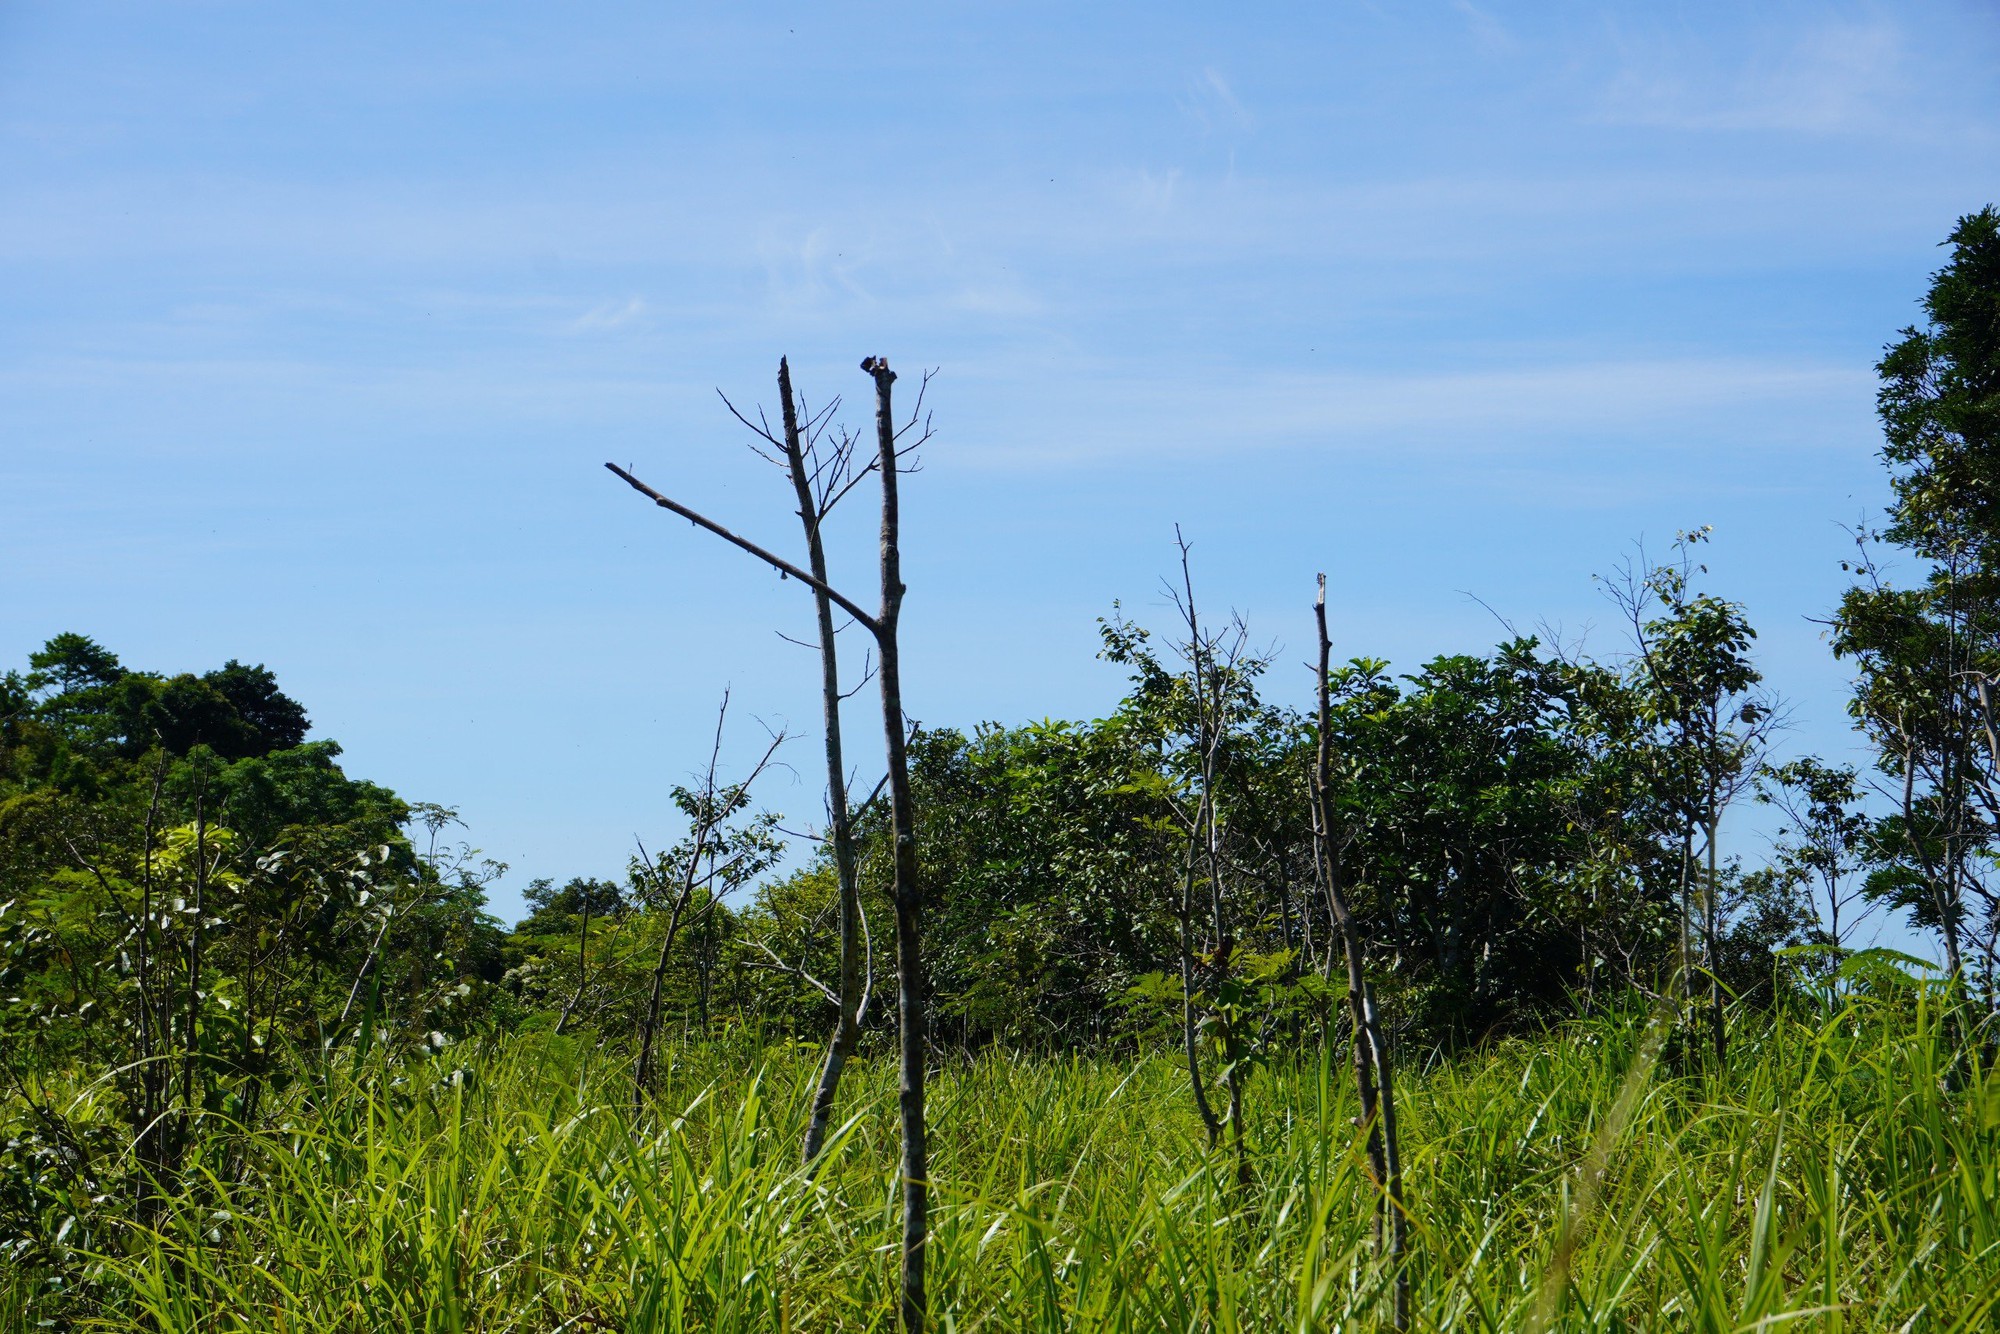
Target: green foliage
(78,710)
(1507,831)
(1827,843)
(1050,878)
(553,911)
(186,927)
(1940,405)
(1926,655)
(1499,834)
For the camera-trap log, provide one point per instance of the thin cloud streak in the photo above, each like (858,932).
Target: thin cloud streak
(1461,414)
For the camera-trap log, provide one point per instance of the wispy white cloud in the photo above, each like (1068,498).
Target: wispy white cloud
(609,315)
(1489,34)
(1211,103)
(927,239)
(1009,300)
(1469,415)
(1839,77)
(822,266)
(1148,192)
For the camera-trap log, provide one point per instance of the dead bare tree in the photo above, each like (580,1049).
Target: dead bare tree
(893,444)
(910,980)
(1372,1076)
(1212,662)
(820,477)
(1206,721)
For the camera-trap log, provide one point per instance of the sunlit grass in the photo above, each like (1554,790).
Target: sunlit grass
(1839,1175)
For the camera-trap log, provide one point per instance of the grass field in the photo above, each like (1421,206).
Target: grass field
(1837,1175)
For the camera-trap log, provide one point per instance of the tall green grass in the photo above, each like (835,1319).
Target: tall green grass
(1841,1174)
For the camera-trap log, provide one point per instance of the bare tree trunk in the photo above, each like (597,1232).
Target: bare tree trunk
(1944,899)
(1209,725)
(1392,1156)
(191,1055)
(704,965)
(1225,949)
(910,998)
(1190,1015)
(1713,932)
(1372,1077)
(156,1022)
(649,1029)
(840,825)
(1684,980)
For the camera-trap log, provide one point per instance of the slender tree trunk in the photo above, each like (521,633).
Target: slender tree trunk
(910,981)
(582,962)
(1190,1012)
(704,967)
(1225,949)
(1683,988)
(711,811)
(1943,891)
(191,1056)
(642,1078)
(1372,1078)
(1392,1157)
(156,1017)
(1309,942)
(1712,929)
(840,827)
(1954,891)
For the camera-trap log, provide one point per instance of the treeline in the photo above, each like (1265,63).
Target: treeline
(199,908)
(1514,829)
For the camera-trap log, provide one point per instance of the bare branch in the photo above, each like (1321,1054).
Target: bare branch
(759,427)
(778,563)
(778,965)
(867,675)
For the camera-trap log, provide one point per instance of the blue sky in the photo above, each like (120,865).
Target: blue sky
(320,321)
